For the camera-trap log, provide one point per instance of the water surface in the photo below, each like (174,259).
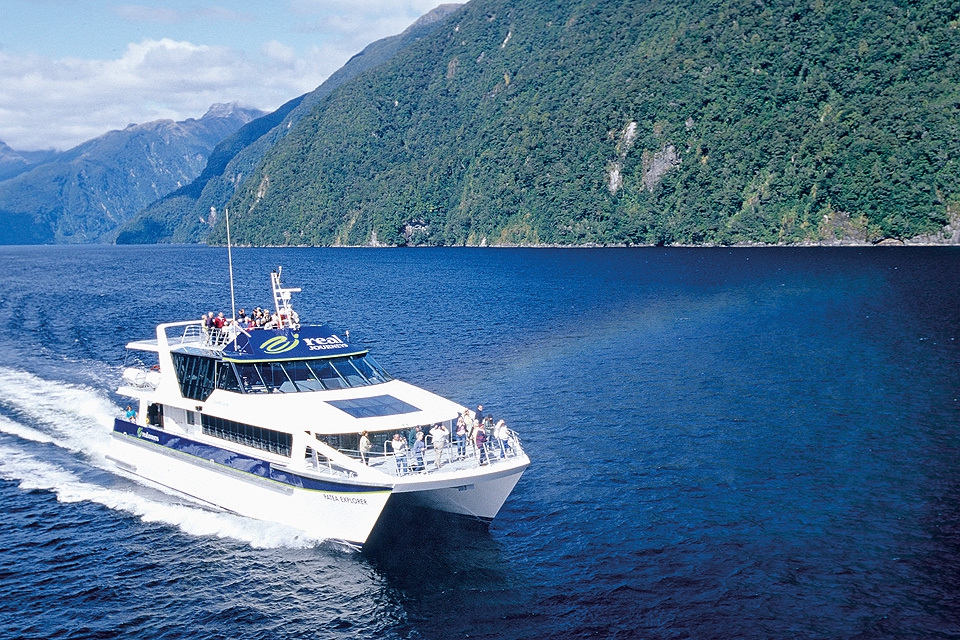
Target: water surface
(726,443)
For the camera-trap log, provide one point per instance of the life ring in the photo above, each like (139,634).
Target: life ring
(155,367)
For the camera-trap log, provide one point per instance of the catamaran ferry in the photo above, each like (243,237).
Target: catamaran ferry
(292,424)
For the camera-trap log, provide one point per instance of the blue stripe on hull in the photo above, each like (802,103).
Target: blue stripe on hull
(232,459)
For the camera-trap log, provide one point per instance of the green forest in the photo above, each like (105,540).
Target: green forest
(618,122)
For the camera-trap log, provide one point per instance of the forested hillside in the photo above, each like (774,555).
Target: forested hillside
(612,121)
(187,214)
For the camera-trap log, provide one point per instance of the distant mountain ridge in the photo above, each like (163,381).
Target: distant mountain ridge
(189,213)
(80,194)
(575,122)
(13,162)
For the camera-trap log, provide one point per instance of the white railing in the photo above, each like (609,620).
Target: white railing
(197,334)
(406,463)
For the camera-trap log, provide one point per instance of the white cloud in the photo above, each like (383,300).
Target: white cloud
(279,51)
(357,23)
(264,58)
(61,103)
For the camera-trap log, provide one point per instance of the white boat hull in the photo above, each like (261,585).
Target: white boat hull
(334,515)
(478,496)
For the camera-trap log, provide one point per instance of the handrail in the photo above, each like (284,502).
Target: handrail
(196,333)
(404,461)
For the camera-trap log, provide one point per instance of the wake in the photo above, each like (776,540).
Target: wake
(54,437)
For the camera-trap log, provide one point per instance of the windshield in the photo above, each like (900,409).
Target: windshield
(293,376)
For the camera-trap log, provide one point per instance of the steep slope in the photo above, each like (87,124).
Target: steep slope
(80,194)
(187,214)
(613,121)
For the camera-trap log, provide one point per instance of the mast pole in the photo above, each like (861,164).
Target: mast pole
(233,303)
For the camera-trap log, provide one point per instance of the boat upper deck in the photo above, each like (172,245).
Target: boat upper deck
(239,344)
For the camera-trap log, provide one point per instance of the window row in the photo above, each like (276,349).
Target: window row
(199,375)
(248,435)
(302,375)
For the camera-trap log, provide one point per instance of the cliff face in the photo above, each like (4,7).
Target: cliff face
(81,194)
(611,121)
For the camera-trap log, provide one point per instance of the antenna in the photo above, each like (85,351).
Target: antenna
(233,302)
(281,299)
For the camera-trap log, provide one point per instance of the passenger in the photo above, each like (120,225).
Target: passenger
(461,438)
(208,321)
(481,440)
(468,417)
(502,434)
(412,434)
(365,447)
(219,322)
(419,446)
(439,433)
(400,451)
(131,415)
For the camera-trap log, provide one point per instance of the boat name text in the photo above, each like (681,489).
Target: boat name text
(340,498)
(318,344)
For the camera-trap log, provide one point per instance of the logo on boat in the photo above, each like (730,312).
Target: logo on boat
(280,344)
(319,344)
(145,435)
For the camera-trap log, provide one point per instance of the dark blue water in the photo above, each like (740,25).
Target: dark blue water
(757,443)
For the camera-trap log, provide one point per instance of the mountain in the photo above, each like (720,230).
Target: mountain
(617,121)
(13,163)
(187,214)
(81,194)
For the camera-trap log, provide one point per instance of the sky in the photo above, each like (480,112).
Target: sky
(71,70)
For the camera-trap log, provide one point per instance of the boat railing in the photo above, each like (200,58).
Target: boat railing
(323,464)
(461,457)
(198,335)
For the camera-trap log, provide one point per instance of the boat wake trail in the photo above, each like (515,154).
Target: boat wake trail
(54,437)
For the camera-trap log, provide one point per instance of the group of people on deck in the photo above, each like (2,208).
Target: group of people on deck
(471,427)
(260,318)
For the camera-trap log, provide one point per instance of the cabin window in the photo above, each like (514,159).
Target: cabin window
(248,435)
(227,378)
(196,374)
(301,375)
(350,373)
(370,369)
(327,375)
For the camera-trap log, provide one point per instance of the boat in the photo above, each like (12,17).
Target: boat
(291,423)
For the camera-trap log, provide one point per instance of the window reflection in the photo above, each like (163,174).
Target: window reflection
(301,375)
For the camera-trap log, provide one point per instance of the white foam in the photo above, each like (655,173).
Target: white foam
(34,474)
(79,419)
(22,431)
(76,418)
